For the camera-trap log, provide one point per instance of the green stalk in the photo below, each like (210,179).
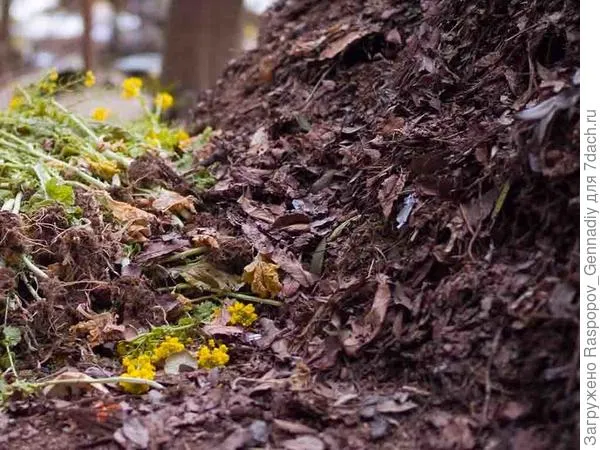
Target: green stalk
(150,383)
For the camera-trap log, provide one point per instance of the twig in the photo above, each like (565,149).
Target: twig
(488,382)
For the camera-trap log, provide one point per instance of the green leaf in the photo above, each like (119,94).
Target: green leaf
(12,335)
(62,193)
(204,311)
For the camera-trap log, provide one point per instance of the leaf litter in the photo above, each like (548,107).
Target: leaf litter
(418,331)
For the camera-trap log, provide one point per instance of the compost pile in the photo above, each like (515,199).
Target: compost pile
(403,178)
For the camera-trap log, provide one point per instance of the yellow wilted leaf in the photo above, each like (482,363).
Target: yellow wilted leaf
(262,277)
(173,202)
(104,169)
(136,220)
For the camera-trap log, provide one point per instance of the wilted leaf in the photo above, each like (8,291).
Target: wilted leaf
(179,362)
(205,276)
(262,277)
(136,220)
(158,249)
(266,213)
(173,202)
(80,383)
(389,192)
(12,335)
(365,329)
(99,329)
(339,45)
(62,193)
(291,265)
(206,237)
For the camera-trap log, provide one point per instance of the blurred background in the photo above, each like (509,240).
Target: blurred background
(183,44)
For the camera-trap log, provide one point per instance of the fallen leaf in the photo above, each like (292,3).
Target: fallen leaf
(100,328)
(157,249)
(291,265)
(180,362)
(389,192)
(259,211)
(133,434)
(390,406)
(204,276)
(223,330)
(259,142)
(80,383)
(365,329)
(206,237)
(293,427)
(173,202)
(137,222)
(339,45)
(262,277)
(288,220)
(306,442)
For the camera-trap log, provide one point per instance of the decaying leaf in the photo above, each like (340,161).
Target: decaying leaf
(100,328)
(292,265)
(80,383)
(136,221)
(204,276)
(365,329)
(262,276)
(180,362)
(389,192)
(206,237)
(174,203)
(339,45)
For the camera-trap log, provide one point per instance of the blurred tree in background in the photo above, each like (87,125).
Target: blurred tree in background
(201,37)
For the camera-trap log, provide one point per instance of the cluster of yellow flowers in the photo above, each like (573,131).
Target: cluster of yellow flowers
(210,356)
(90,79)
(163,101)
(100,114)
(131,87)
(140,367)
(241,314)
(167,348)
(144,365)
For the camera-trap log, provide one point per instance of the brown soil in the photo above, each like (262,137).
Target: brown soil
(428,235)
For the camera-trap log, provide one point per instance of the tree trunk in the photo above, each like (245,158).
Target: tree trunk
(4,25)
(202,36)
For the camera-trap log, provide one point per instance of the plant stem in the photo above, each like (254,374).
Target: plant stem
(186,254)
(247,297)
(150,383)
(35,269)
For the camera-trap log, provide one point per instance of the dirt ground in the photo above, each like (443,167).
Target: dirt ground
(391,158)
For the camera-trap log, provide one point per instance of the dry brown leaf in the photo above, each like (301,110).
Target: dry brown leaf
(99,329)
(206,237)
(173,202)
(262,277)
(339,45)
(136,221)
(365,329)
(291,265)
(389,192)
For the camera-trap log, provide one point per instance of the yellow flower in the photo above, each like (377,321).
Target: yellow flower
(48,87)
(242,314)
(131,87)
(140,367)
(89,79)
(210,356)
(16,101)
(53,75)
(100,114)
(163,100)
(168,347)
(181,136)
(152,138)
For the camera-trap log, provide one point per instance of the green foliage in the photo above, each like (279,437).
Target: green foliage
(203,312)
